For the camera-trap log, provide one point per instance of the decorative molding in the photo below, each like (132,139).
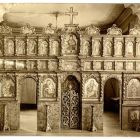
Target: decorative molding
(49,29)
(27,29)
(114,30)
(92,30)
(135,30)
(4,29)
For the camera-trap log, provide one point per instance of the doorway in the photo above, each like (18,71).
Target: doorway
(112,104)
(28,105)
(71,104)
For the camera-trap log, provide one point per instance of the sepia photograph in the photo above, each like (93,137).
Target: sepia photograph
(70,69)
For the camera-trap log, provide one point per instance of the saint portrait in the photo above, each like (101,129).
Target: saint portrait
(91,89)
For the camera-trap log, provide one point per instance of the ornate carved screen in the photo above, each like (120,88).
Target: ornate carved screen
(71,104)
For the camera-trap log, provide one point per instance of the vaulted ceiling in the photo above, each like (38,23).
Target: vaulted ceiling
(42,14)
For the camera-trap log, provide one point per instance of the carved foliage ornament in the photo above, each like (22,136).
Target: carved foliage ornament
(135,30)
(49,29)
(92,30)
(27,29)
(4,29)
(72,28)
(114,30)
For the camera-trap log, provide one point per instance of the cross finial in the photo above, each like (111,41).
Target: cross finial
(71,13)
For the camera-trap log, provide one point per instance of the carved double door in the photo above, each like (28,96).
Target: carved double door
(70,108)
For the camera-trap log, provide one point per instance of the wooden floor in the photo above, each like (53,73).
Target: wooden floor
(28,126)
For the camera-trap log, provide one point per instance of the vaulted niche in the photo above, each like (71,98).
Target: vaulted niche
(111,95)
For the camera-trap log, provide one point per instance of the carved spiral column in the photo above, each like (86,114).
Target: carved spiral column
(17,87)
(102,89)
(124,87)
(38,87)
(59,87)
(82,85)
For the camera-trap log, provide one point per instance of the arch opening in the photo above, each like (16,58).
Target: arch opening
(112,110)
(71,104)
(28,105)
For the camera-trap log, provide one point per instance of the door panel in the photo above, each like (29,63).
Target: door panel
(71,104)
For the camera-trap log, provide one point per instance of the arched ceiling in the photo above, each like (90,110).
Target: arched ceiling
(41,14)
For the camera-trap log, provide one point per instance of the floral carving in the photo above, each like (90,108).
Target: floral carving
(114,30)
(27,29)
(49,29)
(42,65)
(135,30)
(92,30)
(21,65)
(4,29)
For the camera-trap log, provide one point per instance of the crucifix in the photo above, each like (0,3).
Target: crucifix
(71,13)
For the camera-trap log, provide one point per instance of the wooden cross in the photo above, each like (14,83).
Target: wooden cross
(71,13)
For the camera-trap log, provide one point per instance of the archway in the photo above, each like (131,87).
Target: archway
(111,95)
(112,103)
(28,105)
(71,104)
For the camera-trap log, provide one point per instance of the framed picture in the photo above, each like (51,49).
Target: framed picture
(133,115)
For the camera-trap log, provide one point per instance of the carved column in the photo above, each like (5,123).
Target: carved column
(93,128)
(6,124)
(102,89)
(48,128)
